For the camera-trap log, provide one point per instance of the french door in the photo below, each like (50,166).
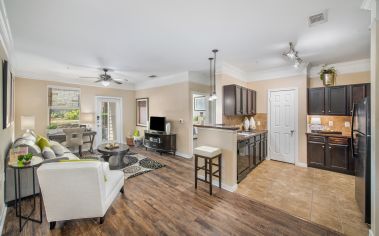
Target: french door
(109,120)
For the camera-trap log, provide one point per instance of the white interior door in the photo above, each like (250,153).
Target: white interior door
(282,127)
(109,120)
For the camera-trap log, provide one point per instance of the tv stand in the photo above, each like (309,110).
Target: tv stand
(160,142)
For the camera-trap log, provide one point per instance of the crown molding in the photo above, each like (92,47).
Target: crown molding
(232,71)
(276,73)
(6,39)
(66,80)
(344,67)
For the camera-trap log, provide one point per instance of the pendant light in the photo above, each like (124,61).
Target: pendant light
(210,77)
(214,96)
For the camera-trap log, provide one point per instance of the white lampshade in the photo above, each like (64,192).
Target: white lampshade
(27,122)
(86,118)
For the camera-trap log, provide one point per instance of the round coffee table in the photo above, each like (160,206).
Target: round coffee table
(117,153)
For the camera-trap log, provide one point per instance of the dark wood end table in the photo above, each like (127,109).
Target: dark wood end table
(116,153)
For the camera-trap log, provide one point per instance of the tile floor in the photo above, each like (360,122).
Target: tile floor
(323,197)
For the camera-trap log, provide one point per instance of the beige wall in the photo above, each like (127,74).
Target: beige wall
(343,79)
(31,99)
(6,138)
(299,82)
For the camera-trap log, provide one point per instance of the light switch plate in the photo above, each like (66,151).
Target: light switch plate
(181,121)
(347,124)
(330,123)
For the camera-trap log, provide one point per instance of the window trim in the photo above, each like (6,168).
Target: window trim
(137,110)
(61,87)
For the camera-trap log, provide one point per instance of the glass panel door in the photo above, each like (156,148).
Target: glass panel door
(108,120)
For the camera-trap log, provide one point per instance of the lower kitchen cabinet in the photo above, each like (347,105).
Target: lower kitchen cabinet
(250,153)
(330,153)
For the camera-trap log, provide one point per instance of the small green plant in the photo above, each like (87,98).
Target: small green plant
(25,158)
(52,126)
(325,69)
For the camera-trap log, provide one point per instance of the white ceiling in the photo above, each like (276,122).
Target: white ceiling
(143,37)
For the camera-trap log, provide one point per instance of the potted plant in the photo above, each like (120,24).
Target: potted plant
(328,75)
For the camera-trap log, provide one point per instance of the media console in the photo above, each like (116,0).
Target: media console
(160,142)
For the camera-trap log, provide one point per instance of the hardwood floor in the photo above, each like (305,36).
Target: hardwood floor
(164,202)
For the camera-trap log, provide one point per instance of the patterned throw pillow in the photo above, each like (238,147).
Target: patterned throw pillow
(48,153)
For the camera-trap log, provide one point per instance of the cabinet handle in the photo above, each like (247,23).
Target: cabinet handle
(330,147)
(323,146)
(322,111)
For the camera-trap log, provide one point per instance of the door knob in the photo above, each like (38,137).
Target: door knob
(292,131)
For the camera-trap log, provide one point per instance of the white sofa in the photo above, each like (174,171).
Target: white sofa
(76,190)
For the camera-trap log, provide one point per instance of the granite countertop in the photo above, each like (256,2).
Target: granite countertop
(248,134)
(343,135)
(218,126)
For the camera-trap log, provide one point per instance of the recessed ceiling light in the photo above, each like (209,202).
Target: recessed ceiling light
(153,76)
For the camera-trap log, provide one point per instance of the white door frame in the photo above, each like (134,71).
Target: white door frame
(296,116)
(121,116)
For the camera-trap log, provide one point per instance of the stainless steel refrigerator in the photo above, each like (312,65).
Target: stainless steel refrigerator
(361,150)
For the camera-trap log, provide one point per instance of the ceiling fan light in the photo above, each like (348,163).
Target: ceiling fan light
(105,83)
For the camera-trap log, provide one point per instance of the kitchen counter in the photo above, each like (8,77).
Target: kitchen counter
(220,126)
(244,135)
(343,135)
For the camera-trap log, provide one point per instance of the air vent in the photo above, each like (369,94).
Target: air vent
(319,18)
(153,76)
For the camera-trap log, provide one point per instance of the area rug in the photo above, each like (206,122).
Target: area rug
(135,164)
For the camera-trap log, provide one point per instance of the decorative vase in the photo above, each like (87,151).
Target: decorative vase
(252,124)
(329,79)
(246,124)
(168,128)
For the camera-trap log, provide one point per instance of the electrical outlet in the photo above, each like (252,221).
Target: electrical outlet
(347,124)
(258,122)
(330,123)
(181,121)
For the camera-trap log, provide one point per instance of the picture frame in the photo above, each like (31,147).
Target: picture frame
(8,95)
(142,108)
(199,103)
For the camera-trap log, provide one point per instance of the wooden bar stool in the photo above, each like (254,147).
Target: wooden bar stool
(208,154)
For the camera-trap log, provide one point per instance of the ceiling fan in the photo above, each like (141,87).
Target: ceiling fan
(105,78)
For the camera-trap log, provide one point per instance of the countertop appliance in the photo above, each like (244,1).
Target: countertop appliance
(361,151)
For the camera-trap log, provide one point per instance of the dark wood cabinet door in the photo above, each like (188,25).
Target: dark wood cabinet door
(257,154)
(244,101)
(338,157)
(238,100)
(316,101)
(253,102)
(249,102)
(336,100)
(252,156)
(356,92)
(316,154)
(229,100)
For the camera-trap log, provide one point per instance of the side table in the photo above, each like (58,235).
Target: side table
(17,167)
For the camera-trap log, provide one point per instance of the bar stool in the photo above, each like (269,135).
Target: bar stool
(208,154)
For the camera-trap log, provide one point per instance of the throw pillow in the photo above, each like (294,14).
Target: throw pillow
(48,153)
(29,136)
(42,142)
(57,148)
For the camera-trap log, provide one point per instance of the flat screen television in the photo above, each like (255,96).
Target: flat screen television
(158,123)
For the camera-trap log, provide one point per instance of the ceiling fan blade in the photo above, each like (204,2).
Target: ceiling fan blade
(117,82)
(120,80)
(85,77)
(97,81)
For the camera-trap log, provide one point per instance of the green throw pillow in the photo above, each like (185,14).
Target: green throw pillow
(42,142)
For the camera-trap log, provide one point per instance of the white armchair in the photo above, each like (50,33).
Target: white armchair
(76,190)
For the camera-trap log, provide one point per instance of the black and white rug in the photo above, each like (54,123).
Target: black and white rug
(135,164)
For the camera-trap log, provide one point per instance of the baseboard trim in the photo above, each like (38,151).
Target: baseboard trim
(301,164)
(230,188)
(370,233)
(185,155)
(3,215)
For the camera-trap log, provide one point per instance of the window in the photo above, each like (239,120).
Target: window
(142,111)
(64,106)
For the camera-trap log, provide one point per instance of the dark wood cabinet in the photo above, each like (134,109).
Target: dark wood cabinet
(160,142)
(238,100)
(356,92)
(336,100)
(316,101)
(331,153)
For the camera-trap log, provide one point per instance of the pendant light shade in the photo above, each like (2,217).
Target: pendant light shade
(214,96)
(210,77)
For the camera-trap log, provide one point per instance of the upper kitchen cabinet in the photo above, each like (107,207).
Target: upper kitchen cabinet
(316,101)
(356,92)
(238,100)
(336,100)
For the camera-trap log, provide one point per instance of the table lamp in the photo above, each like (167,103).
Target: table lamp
(27,123)
(87,119)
